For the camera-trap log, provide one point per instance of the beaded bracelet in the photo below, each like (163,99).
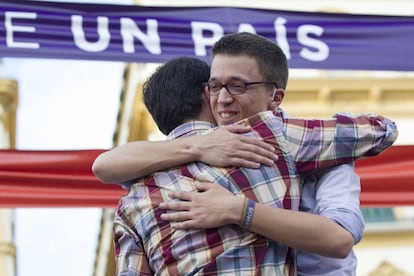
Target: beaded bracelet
(248,211)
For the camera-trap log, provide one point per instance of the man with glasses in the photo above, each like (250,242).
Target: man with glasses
(256,96)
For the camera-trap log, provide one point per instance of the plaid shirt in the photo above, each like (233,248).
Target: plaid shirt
(146,245)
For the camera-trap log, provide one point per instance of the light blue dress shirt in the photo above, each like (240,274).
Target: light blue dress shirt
(335,195)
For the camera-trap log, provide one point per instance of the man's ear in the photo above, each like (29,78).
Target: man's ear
(206,96)
(278,95)
(277,98)
(206,92)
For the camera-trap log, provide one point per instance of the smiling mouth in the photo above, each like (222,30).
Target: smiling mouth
(226,115)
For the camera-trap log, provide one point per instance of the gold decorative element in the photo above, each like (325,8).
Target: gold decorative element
(387,269)
(8,107)
(322,97)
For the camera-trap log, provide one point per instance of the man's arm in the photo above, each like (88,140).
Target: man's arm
(215,206)
(130,255)
(316,144)
(333,194)
(222,147)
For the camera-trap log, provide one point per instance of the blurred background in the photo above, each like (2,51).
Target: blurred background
(66,104)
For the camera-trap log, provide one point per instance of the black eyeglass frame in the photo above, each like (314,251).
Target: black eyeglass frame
(246,86)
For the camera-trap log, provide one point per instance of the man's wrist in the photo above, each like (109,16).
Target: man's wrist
(190,150)
(236,210)
(247,213)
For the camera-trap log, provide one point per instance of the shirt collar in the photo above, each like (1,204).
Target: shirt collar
(195,127)
(190,128)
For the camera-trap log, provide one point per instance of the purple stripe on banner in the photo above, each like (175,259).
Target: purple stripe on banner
(156,34)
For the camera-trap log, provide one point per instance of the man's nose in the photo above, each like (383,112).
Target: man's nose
(224,95)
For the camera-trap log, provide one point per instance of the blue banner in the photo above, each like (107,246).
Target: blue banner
(156,34)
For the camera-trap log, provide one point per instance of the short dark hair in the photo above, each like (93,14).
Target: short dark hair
(271,60)
(174,92)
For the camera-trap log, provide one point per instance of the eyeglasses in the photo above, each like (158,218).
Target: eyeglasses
(234,88)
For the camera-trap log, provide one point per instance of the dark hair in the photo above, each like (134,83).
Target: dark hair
(174,92)
(270,58)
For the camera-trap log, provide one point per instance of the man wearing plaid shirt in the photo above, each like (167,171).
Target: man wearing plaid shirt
(146,244)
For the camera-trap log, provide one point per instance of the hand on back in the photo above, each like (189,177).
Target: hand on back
(225,147)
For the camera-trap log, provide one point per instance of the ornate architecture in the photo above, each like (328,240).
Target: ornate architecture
(8,105)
